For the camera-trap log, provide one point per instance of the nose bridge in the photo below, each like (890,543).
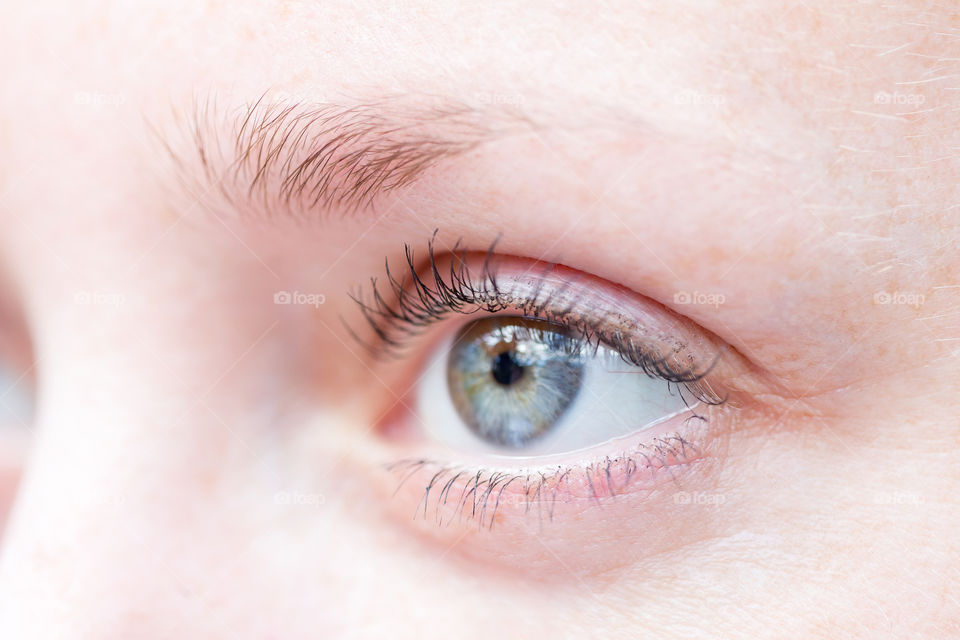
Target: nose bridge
(118,517)
(149,508)
(150,512)
(69,543)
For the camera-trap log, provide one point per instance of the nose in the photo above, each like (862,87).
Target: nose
(142,510)
(109,537)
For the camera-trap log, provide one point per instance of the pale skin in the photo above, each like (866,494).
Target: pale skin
(203,462)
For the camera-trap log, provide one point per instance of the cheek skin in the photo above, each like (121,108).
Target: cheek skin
(14,443)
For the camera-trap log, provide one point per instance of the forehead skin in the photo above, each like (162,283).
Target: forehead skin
(800,161)
(848,157)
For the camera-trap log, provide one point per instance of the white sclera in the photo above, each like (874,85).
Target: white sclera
(616,399)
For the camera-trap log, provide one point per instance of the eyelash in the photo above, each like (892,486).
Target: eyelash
(405,307)
(483,488)
(420,303)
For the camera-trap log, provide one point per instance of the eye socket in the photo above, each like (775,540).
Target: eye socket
(511,385)
(555,386)
(522,395)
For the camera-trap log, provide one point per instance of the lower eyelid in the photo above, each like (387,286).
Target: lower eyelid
(571,531)
(488,494)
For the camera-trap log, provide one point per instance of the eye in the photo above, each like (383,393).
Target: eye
(518,386)
(525,383)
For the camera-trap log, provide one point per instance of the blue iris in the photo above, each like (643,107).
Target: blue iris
(512,379)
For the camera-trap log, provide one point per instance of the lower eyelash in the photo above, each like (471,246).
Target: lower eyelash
(462,493)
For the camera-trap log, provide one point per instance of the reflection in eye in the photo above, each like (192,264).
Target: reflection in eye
(529,386)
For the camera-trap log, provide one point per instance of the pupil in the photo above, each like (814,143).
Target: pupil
(505,369)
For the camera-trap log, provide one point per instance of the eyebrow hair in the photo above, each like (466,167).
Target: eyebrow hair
(322,156)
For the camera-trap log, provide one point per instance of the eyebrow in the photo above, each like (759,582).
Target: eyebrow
(298,156)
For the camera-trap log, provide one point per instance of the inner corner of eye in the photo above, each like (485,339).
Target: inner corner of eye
(517,386)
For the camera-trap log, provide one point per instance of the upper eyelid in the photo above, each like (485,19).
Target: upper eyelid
(414,300)
(427,291)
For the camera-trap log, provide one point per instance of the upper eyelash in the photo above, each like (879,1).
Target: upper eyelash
(419,302)
(427,303)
